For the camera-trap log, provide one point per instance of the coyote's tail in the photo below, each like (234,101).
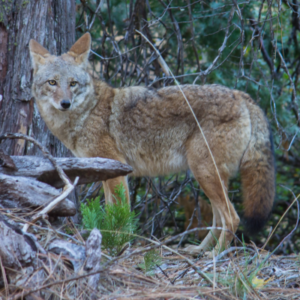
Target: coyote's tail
(258,171)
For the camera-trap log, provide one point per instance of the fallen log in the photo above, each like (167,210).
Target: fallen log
(87,169)
(6,161)
(20,263)
(17,249)
(25,265)
(93,259)
(28,194)
(70,252)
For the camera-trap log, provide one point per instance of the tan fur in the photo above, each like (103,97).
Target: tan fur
(154,132)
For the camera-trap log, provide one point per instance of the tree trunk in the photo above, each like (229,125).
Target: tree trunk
(52,24)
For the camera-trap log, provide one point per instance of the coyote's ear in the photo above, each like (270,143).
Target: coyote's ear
(81,49)
(38,54)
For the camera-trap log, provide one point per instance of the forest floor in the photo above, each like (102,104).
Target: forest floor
(154,271)
(166,273)
(237,273)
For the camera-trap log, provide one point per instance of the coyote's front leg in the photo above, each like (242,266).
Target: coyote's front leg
(108,149)
(110,186)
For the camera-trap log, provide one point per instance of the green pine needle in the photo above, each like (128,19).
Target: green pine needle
(116,221)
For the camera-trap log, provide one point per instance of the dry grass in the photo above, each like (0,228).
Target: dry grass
(236,273)
(176,279)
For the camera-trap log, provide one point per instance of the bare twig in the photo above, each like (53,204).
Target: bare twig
(160,60)
(95,13)
(294,92)
(221,49)
(66,191)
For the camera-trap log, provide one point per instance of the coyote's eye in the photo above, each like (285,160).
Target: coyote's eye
(73,83)
(52,82)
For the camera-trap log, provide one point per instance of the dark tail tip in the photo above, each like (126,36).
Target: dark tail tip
(258,173)
(255,223)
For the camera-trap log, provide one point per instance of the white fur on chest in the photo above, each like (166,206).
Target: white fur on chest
(159,164)
(79,152)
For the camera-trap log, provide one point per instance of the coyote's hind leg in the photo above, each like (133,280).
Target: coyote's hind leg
(211,238)
(230,222)
(228,218)
(224,213)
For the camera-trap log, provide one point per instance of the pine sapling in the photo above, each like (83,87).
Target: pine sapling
(116,221)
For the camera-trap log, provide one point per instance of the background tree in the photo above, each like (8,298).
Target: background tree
(51,23)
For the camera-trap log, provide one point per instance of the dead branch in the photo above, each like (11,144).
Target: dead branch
(28,194)
(87,169)
(13,187)
(6,161)
(93,254)
(45,152)
(159,57)
(19,255)
(17,249)
(66,191)
(70,251)
(221,49)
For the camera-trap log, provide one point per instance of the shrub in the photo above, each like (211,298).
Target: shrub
(115,221)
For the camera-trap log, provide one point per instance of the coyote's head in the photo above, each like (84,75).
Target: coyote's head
(61,81)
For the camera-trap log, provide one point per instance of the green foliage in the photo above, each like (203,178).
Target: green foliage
(91,214)
(116,221)
(152,259)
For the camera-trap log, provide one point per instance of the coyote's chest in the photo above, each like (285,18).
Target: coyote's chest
(152,154)
(154,164)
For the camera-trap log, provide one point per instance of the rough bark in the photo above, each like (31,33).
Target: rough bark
(88,169)
(17,250)
(6,161)
(52,24)
(24,268)
(26,194)
(93,259)
(19,257)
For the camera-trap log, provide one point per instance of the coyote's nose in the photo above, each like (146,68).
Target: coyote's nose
(65,104)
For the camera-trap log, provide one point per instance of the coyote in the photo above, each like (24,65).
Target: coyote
(154,132)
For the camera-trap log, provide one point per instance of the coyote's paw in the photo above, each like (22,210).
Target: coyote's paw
(197,251)
(193,250)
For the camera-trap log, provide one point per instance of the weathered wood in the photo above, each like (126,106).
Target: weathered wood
(70,251)
(87,169)
(19,256)
(17,249)
(93,258)
(27,194)
(68,185)
(6,161)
